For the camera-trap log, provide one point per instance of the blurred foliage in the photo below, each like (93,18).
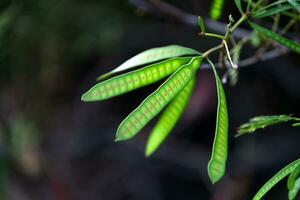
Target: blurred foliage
(52,33)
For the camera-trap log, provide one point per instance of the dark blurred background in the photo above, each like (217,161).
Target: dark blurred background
(53,146)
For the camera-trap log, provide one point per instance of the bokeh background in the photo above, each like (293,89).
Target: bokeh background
(53,146)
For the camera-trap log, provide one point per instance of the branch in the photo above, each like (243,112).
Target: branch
(280,51)
(158,7)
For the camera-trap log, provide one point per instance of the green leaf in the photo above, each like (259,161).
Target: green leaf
(295,4)
(217,163)
(133,80)
(275,179)
(262,122)
(216,9)
(276,37)
(151,56)
(293,176)
(169,118)
(154,103)
(239,6)
(201,24)
(294,191)
(261,13)
(296,124)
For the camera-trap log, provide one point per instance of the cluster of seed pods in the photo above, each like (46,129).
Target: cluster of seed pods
(173,93)
(154,103)
(169,118)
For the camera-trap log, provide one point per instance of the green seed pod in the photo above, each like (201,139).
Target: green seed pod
(217,164)
(133,80)
(151,56)
(154,103)
(169,118)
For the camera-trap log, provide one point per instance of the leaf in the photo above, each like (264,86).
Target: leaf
(262,122)
(201,24)
(276,37)
(296,124)
(293,176)
(216,9)
(295,4)
(239,6)
(154,103)
(151,56)
(275,179)
(133,80)
(294,191)
(217,163)
(169,118)
(261,13)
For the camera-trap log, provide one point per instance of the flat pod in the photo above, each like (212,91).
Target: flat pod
(169,118)
(217,164)
(133,80)
(276,37)
(154,103)
(275,179)
(151,56)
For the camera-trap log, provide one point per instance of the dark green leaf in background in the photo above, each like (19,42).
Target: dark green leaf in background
(276,37)
(239,6)
(275,179)
(262,122)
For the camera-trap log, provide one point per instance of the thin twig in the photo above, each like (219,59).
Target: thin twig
(252,60)
(155,6)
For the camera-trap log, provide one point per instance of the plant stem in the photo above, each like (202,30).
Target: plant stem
(239,22)
(206,53)
(212,35)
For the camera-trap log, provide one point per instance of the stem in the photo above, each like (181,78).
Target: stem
(241,20)
(228,54)
(212,35)
(206,53)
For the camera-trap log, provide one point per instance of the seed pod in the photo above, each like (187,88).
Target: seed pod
(151,56)
(217,164)
(154,103)
(169,118)
(133,80)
